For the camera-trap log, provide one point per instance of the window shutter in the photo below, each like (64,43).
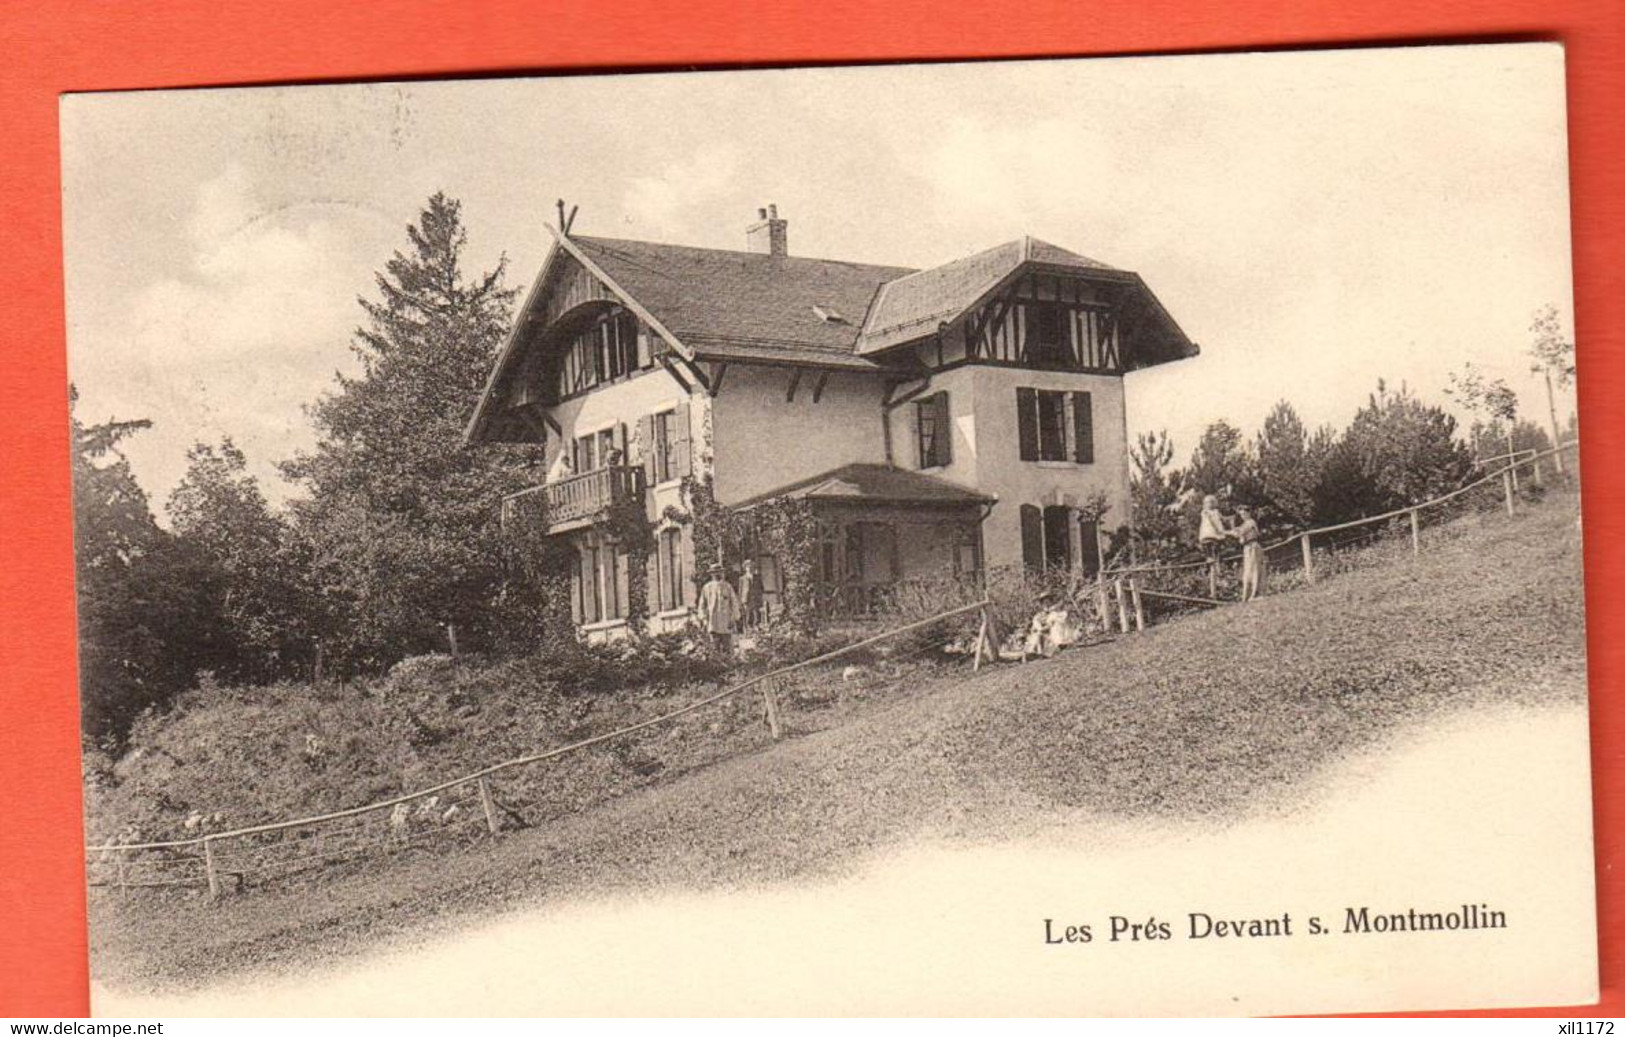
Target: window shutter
(1083,427)
(646,437)
(945,432)
(682,452)
(1032,536)
(1027,420)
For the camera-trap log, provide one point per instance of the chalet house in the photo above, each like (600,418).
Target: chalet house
(951,419)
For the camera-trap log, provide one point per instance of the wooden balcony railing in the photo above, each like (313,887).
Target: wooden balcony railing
(578,499)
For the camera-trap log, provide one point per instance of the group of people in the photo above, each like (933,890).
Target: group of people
(1214,530)
(724,612)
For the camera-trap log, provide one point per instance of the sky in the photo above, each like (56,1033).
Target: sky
(1315,221)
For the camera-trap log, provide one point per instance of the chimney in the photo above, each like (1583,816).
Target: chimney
(768,235)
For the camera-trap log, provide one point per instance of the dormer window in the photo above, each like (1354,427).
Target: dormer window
(829,315)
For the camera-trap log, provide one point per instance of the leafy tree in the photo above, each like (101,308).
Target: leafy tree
(1286,467)
(1405,450)
(401,524)
(138,591)
(1154,495)
(1552,354)
(1219,464)
(1490,401)
(219,512)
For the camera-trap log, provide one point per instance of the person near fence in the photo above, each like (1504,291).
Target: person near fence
(719,611)
(750,595)
(1252,553)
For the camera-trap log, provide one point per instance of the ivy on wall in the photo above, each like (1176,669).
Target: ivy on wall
(784,528)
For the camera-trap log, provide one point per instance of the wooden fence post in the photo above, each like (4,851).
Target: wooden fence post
(1539,479)
(1139,608)
(489,807)
(1416,533)
(771,705)
(1506,485)
(1122,604)
(982,633)
(1308,559)
(208,868)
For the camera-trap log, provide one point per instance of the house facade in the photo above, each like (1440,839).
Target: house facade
(939,421)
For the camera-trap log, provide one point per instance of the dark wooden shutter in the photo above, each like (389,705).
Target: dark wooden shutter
(1032,536)
(1027,421)
(682,452)
(1083,427)
(945,432)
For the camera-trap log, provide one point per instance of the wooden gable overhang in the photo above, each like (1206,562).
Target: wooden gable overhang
(1123,323)
(569,291)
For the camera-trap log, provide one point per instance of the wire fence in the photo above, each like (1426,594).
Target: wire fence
(471,808)
(1310,555)
(465,810)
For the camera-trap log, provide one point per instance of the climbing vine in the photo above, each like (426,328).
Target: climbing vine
(539,566)
(784,528)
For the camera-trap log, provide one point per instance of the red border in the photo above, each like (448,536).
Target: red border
(51,48)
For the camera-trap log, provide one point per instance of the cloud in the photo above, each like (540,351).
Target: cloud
(669,200)
(238,340)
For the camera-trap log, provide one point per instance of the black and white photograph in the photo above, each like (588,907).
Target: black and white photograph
(1045,537)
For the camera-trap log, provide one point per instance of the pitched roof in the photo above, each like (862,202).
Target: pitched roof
(879,483)
(747,304)
(915,304)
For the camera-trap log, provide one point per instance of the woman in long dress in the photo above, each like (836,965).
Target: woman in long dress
(1252,554)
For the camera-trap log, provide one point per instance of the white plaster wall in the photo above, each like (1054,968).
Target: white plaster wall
(1016,482)
(761,441)
(963,467)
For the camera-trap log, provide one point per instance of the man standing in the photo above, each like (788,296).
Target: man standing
(750,595)
(719,611)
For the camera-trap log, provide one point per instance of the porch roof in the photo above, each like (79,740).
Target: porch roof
(874,483)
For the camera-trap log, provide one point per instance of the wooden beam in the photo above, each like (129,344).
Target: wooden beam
(912,390)
(795,380)
(718,372)
(818,386)
(677,375)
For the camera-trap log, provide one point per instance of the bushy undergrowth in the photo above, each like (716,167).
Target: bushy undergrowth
(232,757)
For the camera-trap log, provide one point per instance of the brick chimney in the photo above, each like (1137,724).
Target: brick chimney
(769,234)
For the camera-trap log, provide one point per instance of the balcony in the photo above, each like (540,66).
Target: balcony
(576,501)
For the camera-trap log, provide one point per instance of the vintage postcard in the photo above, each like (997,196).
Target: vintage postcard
(1048,537)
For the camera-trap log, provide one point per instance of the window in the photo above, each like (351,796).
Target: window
(1048,342)
(612,348)
(1057,537)
(935,430)
(968,552)
(669,562)
(664,470)
(1046,537)
(1055,425)
(601,584)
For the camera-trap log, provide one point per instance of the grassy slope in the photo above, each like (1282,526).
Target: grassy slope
(1204,719)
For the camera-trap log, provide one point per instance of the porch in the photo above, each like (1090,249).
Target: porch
(881,532)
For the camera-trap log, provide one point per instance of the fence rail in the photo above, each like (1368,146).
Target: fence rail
(216,864)
(1506,475)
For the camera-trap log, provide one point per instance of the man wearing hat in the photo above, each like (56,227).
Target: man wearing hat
(719,611)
